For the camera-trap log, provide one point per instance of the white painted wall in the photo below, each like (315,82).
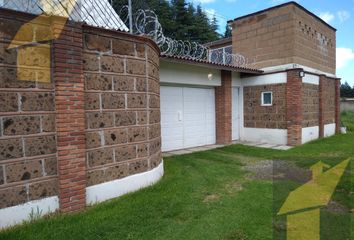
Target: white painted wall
(17,214)
(265,135)
(311,79)
(295,65)
(105,191)
(329,130)
(268,79)
(310,133)
(184,74)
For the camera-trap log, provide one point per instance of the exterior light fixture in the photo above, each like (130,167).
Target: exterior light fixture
(302,74)
(210,76)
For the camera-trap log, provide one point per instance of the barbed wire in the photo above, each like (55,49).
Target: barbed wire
(145,22)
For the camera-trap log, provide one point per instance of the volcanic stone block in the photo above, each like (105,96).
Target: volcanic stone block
(154,116)
(97,43)
(93,140)
(2,177)
(154,131)
(8,79)
(35,56)
(152,55)
(142,150)
(155,160)
(40,145)
(113,101)
(141,84)
(108,174)
(21,125)
(138,166)
(11,148)
(23,171)
(153,86)
(12,196)
(123,83)
(154,101)
(98,82)
(125,118)
(153,71)
(43,189)
(142,117)
(125,153)
(50,166)
(122,47)
(8,56)
(92,101)
(100,120)
(155,146)
(116,136)
(137,134)
(140,50)
(8,102)
(137,67)
(37,102)
(137,101)
(10,27)
(48,123)
(112,64)
(100,157)
(91,62)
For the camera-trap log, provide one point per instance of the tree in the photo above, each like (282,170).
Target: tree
(228,31)
(346,90)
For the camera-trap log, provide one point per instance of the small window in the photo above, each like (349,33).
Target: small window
(267,98)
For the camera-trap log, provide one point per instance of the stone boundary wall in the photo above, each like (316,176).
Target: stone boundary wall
(310,105)
(258,116)
(93,118)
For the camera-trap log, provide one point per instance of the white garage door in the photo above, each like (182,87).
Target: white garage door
(235,113)
(187,117)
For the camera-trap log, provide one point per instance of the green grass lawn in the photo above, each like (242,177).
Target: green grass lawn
(208,195)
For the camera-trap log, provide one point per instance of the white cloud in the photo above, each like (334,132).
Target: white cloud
(344,56)
(327,16)
(343,15)
(210,13)
(205,1)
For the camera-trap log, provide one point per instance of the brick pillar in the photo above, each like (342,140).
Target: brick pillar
(321,105)
(70,117)
(337,106)
(223,101)
(294,107)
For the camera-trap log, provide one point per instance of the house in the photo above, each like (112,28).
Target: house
(94,126)
(288,93)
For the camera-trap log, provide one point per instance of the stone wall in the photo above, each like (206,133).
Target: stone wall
(28,139)
(310,105)
(122,106)
(285,35)
(258,116)
(76,111)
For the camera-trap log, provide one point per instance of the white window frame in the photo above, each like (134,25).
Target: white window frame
(271,99)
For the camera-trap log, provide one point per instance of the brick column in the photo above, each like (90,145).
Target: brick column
(337,106)
(70,118)
(321,105)
(294,107)
(223,101)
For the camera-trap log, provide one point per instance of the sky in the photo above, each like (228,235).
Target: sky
(339,14)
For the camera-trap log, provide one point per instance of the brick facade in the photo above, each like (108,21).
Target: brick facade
(223,109)
(70,118)
(294,111)
(94,117)
(258,116)
(285,35)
